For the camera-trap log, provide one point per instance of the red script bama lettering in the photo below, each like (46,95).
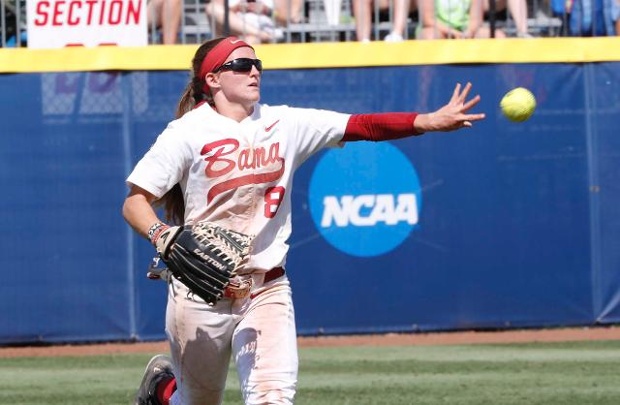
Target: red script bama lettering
(220,162)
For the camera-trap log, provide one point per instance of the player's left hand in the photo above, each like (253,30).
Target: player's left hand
(204,257)
(452,116)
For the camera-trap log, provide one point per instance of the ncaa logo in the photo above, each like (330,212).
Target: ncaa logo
(365,198)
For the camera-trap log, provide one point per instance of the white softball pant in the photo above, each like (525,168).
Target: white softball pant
(258,332)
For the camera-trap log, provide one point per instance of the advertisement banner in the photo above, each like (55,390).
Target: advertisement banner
(60,23)
(499,226)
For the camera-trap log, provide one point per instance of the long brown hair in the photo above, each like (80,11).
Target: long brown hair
(172,201)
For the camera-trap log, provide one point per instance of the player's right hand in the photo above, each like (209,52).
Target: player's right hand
(451,116)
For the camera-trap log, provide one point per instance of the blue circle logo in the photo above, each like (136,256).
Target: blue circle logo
(365,199)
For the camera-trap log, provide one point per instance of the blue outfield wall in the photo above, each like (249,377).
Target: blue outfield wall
(500,226)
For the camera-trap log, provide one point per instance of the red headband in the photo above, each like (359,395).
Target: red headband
(218,55)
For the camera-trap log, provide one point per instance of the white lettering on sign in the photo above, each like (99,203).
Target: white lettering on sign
(369,209)
(60,23)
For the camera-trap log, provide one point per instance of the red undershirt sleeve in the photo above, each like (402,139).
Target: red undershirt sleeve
(379,126)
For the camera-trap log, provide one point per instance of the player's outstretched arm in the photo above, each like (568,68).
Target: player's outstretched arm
(452,116)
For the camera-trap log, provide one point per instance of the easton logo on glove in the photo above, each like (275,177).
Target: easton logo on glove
(207,258)
(203,257)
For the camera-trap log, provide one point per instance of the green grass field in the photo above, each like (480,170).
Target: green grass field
(576,373)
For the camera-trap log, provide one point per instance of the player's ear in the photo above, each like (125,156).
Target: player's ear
(212,80)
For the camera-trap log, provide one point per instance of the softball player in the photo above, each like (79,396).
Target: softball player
(230,160)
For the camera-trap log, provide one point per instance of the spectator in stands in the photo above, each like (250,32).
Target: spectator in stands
(250,20)
(459,19)
(363,11)
(288,12)
(589,18)
(616,15)
(165,15)
(518,12)
(13,33)
(402,10)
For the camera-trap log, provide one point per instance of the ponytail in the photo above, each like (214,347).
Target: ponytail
(173,201)
(194,93)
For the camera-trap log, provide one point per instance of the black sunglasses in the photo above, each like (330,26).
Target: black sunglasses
(241,65)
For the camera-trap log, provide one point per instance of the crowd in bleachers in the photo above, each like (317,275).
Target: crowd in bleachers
(275,21)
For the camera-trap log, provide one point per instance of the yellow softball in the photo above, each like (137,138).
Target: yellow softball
(518,104)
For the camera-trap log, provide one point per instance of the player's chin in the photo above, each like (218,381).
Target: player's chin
(254,94)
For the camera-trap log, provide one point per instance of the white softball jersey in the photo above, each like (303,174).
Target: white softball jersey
(239,174)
